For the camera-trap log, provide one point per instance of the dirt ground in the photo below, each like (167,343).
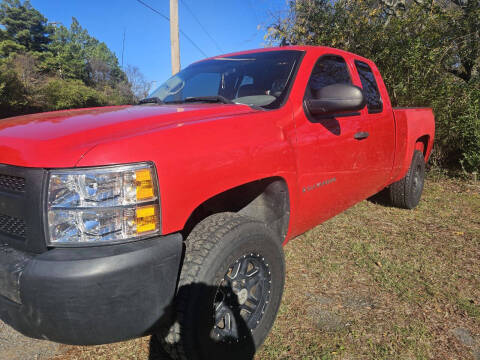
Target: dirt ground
(373,283)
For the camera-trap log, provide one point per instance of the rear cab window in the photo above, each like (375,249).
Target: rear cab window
(370,87)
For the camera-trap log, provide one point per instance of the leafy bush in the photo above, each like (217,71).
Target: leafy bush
(66,94)
(12,93)
(469,131)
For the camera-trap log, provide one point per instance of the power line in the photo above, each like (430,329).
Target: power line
(193,43)
(154,10)
(168,19)
(200,24)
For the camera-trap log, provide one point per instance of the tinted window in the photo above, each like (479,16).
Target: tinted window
(203,84)
(261,79)
(328,70)
(247,80)
(370,88)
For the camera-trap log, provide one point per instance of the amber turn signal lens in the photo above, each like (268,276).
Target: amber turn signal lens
(144,181)
(146,218)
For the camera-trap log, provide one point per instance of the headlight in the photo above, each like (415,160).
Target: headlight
(102,205)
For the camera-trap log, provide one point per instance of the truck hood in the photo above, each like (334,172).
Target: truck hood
(61,138)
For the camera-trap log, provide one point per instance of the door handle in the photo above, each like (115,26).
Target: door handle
(361,135)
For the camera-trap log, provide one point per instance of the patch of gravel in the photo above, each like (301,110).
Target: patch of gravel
(464,336)
(15,346)
(467,339)
(357,302)
(320,299)
(476,354)
(327,320)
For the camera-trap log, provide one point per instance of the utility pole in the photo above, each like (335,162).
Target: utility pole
(174,38)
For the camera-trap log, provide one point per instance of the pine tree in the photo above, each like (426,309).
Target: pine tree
(24,25)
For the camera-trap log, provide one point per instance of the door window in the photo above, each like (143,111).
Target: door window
(370,87)
(328,70)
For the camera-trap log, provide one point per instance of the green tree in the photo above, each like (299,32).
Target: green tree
(77,55)
(25,25)
(8,47)
(68,55)
(50,68)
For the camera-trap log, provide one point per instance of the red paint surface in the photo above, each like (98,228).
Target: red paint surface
(201,150)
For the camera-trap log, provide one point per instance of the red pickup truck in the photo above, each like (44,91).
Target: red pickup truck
(169,216)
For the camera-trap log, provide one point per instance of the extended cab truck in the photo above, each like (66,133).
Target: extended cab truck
(169,216)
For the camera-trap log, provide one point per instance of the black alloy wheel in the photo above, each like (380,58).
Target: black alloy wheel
(229,292)
(244,291)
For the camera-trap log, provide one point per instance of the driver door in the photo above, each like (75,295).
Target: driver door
(330,157)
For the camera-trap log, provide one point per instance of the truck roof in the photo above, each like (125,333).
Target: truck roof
(305,48)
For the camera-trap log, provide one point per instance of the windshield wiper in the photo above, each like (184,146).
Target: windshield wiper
(152,100)
(213,99)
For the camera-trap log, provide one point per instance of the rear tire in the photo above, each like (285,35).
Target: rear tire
(230,289)
(406,193)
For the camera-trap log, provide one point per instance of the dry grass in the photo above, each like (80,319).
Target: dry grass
(374,283)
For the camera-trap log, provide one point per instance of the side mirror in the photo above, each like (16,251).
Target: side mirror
(336,98)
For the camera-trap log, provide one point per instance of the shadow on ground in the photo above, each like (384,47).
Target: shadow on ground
(156,351)
(381,198)
(216,328)
(202,338)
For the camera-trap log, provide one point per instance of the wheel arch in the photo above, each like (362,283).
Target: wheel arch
(422,145)
(267,200)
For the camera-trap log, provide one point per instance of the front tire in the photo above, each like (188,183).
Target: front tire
(230,289)
(406,193)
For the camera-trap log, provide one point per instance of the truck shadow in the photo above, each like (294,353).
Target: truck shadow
(156,351)
(328,122)
(205,341)
(381,198)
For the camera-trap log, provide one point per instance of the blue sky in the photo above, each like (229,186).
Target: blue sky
(234,25)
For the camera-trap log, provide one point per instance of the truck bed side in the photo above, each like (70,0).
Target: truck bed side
(415,130)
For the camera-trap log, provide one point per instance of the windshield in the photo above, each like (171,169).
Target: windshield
(256,79)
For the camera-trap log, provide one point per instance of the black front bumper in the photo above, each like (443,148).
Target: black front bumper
(93,295)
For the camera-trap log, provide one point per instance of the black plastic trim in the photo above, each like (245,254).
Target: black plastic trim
(362,135)
(319,118)
(12,265)
(27,206)
(87,296)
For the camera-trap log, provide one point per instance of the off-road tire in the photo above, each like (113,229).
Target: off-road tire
(406,193)
(211,247)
